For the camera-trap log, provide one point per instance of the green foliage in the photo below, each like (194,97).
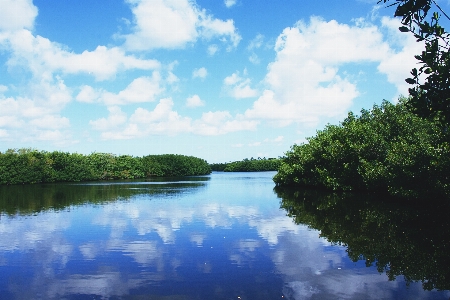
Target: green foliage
(175,165)
(400,239)
(248,165)
(385,150)
(31,166)
(218,166)
(430,98)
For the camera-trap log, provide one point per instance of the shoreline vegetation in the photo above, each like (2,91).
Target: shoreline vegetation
(248,165)
(387,150)
(25,166)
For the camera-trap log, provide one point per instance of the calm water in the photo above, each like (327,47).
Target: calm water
(224,236)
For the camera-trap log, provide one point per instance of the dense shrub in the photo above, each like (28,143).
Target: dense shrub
(248,165)
(387,149)
(33,166)
(175,165)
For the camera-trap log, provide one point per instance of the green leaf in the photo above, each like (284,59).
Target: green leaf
(403,29)
(410,81)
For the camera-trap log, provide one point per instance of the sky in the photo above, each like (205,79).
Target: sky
(222,80)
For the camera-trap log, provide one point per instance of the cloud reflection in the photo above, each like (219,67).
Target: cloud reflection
(192,244)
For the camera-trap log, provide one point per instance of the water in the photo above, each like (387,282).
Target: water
(223,236)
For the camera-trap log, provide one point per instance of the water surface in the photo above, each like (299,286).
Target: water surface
(223,236)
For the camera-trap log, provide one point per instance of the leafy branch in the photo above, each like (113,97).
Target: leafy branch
(431,98)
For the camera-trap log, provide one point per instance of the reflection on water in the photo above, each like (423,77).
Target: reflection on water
(412,240)
(218,237)
(29,199)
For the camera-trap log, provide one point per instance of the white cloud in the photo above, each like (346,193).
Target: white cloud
(200,73)
(303,83)
(254,59)
(42,57)
(36,116)
(212,49)
(398,63)
(224,29)
(229,3)
(221,122)
(17,14)
(194,101)
(3,133)
(50,122)
(116,117)
(256,42)
(239,87)
(87,94)
(140,90)
(279,139)
(162,120)
(174,24)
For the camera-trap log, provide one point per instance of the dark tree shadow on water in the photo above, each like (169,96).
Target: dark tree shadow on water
(409,239)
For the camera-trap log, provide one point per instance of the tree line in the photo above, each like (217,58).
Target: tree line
(248,165)
(20,166)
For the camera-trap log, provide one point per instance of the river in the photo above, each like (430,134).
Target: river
(222,236)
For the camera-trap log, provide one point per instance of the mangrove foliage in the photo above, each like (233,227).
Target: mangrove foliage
(388,149)
(32,166)
(248,165)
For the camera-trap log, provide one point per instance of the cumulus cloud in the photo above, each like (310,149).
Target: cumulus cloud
(35,116)
(17,14)
(41,56)
(140,90)
(221,122)
(304,83)
(238,87)
(164,120)
(116,117)
(174,24)
(200,73)
(87,94)
(194,101)
(400,61)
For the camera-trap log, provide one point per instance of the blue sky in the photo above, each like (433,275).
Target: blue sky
(222,80)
